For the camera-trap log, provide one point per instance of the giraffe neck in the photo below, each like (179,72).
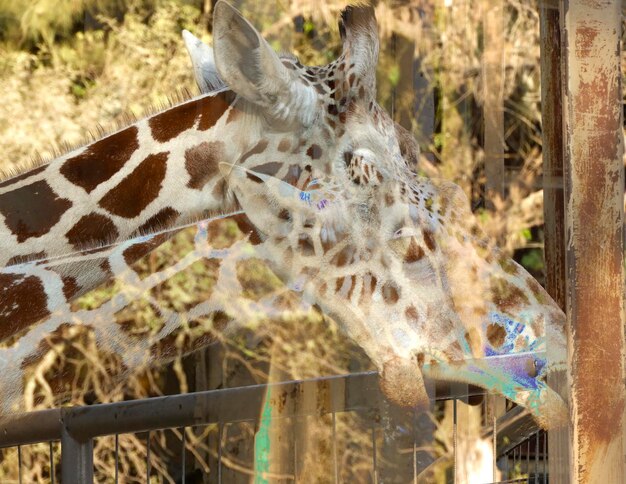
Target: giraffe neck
(159,171)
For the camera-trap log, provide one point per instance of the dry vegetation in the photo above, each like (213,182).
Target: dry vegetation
(67,67)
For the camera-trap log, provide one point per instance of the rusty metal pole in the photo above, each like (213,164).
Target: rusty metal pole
(594,192)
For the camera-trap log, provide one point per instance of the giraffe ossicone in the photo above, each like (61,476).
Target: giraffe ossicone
(328,181)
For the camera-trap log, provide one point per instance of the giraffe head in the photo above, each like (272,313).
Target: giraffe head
(401,265)
(302,116)
(266,112)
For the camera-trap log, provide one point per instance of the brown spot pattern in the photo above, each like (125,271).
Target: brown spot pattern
(233,114)
(506,295)
(305,245)
(162,219)
(92,229)
(70,287)
(212,108)
(255,150)
(496,335)
(101,160)
(32,210)
(246,227)
(135,192)
(251,176)
(22,302)
(411,313)
(314,152)
(201,162)
(170,123)
(391,293)
(20,259)
(344,257)
(429,240)
(284,145)
(137,251)
(105,266)
(414,252)
(268,168)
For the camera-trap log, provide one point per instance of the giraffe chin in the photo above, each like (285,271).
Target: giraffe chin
(403,384)
(549,410)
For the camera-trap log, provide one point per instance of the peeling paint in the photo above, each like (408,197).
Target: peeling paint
(594,201)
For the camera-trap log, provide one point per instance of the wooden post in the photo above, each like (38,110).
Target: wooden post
(493,99)
(594,192)
(552,133)
(553,203)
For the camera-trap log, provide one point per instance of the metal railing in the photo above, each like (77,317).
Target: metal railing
(77,427)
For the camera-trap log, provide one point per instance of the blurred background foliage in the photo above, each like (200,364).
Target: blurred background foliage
(69,67)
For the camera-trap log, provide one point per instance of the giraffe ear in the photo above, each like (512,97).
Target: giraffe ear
(203,63)
(359,32)
(253,70)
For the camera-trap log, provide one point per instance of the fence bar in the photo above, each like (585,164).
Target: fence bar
(335,463)
(545,458)
(19,464)
(594,195)
(220,431)
(184,456)
(30,428)
(455,441)
(374,457)
(117,458)
(51,463)
(537,458)
(199,408)
(76,459)
(148,463)
(528,458)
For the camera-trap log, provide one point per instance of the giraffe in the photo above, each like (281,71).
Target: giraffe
(220,308)
(318,122)
(401,265)
(257,109)
(267,112)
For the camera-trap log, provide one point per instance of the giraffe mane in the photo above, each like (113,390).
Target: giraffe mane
(100,131)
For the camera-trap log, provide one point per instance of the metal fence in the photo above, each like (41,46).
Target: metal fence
(520,448)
